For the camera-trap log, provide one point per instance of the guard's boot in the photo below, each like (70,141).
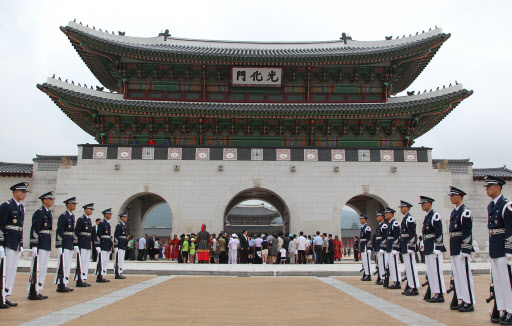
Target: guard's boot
(507,320)
(80,284)
(379,282)
(438,298)
(413,292)
(466,307)
(457,307)
(367,278)
(407,291)
(34,296)
(42,296)
(395,286)
(61,288)
(10,304)
(499,319)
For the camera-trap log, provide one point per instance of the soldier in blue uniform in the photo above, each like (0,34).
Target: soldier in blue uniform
(500,246)
(365,247)
(434,248)
(41,242)
(120,241)
(408,248)
(65,243)
(12,215)
(380,246)
(393,248)
(104,246)
(83,231)
(461,247)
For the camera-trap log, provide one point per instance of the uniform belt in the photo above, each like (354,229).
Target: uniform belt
(88,234)
(45,232)
(122,237)
(428,236)
(390,238)
(455,234)
(105,237)
(378,238)
(404,235)
(496,231)
(13,227)
(69,233)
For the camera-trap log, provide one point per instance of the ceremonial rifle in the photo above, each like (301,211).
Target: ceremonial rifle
(407,287)
(116,264)
(455,301)
(2,284)
(494,312)
(78,269)
(59,277)
(428,294)
(34,272)
(98,266)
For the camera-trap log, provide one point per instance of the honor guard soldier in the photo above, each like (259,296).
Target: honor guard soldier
(500,246)
(434,248)
(380,246)
(41,245)
(408,248)
(66,242)
(12,215)
(461,247)
(105,246)
(365,247)
(83,231)
(393,248)
(120,240)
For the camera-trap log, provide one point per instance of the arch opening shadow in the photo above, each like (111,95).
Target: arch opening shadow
(233,213)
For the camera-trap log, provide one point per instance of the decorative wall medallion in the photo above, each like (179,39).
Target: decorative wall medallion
(256,154)
(338,155)
(124,153)
(387,155)
(148,153)
(174,154)
(99,152)
(202,154)
(366,189)
(410,156)
(311,155)
(230,154)
(283,154)
(364,155)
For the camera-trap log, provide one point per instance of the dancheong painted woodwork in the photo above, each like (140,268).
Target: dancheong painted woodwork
(223,93)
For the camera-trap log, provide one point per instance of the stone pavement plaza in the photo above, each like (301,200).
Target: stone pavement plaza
(229,300)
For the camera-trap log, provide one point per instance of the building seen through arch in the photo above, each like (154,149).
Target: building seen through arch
(254,216)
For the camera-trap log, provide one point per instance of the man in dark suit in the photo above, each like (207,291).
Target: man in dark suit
(94,240)
(244,247)
(151,248)
(356,248)
(331,249)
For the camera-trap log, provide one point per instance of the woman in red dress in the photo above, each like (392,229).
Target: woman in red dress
(168,250)
(174,251)
(337,248)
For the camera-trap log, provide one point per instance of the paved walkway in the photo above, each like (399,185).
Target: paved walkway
(206,300)
(164,267)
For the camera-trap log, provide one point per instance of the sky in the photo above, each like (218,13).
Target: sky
(478,55)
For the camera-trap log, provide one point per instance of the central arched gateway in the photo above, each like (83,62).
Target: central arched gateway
(138,207)
(264,195)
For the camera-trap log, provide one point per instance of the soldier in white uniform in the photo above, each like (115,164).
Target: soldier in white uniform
(104,246)
(233,247)
(120,241)
(499,224)
(83,230)
(366,247)
(380,246)
(66,242)
(12,215)
(393,248)
(408,248)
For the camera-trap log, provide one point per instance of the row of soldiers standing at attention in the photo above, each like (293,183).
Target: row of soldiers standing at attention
(73,235)
(393,238)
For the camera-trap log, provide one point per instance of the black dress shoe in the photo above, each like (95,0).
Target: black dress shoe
(395,286)
(499,319)
(407,291)
(101,280)
(507,320)
(42,296)
(413,292)
(438,298)
(367,278)
(80,284)
(87,284)
(34,296)
(10,304)
(457,307)
(123,277)
(379,282)
(466,307)
(63,289)
(119,277)
(3,306)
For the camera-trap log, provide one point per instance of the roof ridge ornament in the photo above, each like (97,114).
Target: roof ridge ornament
(345,37)
(165,34)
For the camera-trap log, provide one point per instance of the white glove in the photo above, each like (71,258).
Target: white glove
(381,251)
(394,252)
(59,251)
(2,252)
(509,258)
(76,249)
(465,255)
(34,252)
(21,249)
(368,251)
(115,250)
(409,251)
(437,253)
(98,249)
